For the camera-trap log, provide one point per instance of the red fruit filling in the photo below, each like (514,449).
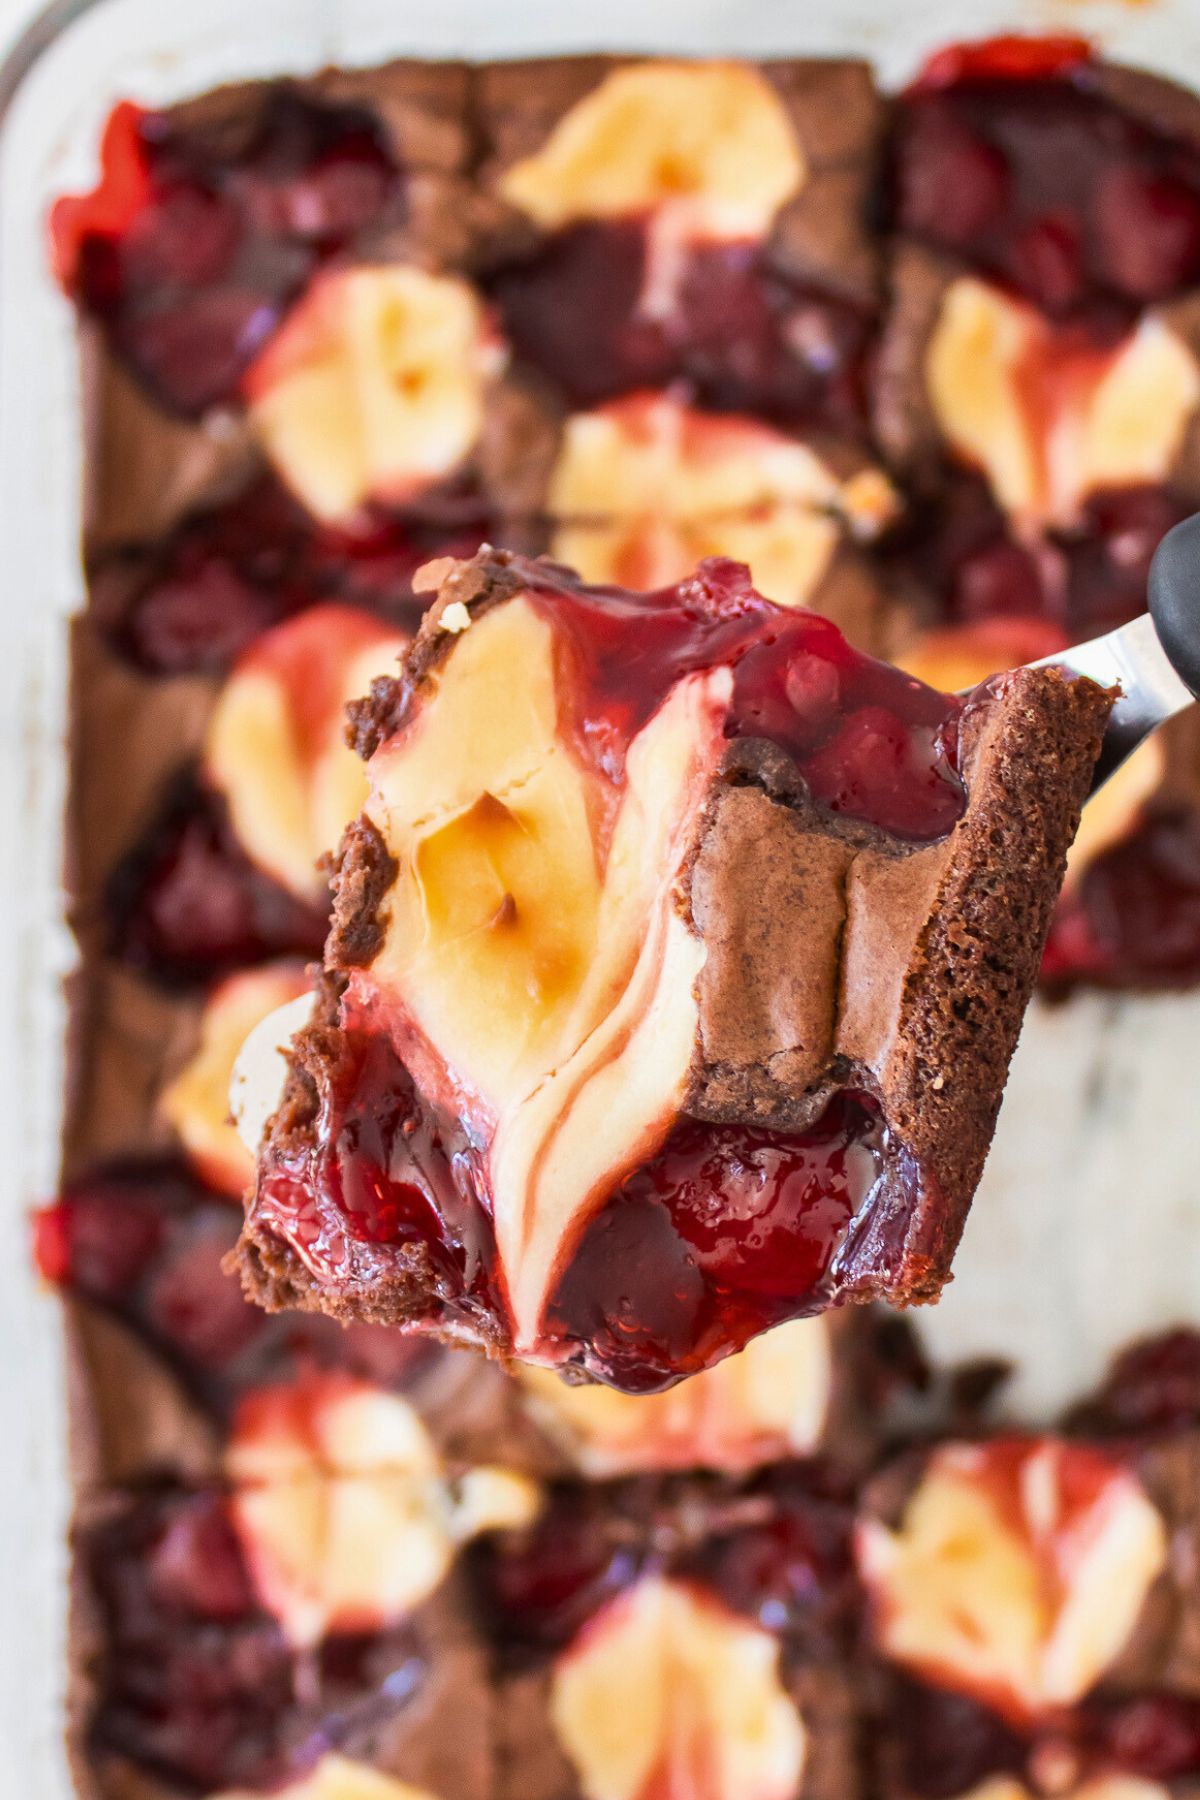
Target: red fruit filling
(1133,918)
(1007,57)
(195,602)
(1011,156)
(870,742)
(542,1585)
(1153,1386)
(747,338)
(188,904)
(202,231)
(774,1551)
(197,1683)
(145,1241)
(1155,1736)
(726,1232)
(790,1568)
(1083,581)
(947,1744)
(383,1179)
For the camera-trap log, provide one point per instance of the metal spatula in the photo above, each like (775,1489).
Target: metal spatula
(1155,660)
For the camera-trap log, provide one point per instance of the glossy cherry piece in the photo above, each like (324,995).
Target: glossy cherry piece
(726,1232)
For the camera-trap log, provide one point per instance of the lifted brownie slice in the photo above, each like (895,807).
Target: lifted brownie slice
(573,1090)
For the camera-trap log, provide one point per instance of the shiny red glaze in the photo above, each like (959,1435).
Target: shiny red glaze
(726,1232)
(870,742)
(1133,919)
(1037,178)
(744,336)
(198,237)
(1007,57)
(188,904)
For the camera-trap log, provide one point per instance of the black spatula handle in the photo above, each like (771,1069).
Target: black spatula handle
(1175,599)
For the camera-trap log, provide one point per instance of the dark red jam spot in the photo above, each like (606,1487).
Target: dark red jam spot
(1154,1385)
(1133,918)
(1155,1736)
(870,742)
(224,576)
(947,1744)
(93,1240)
(197,1564)
(726,1232)
(196,1683)
(542,1585)
(191,353)
(1108,557)
(1083,581)
(199,237)
(743,335)
(385,1183)
(1147,229)
(145,1240)
(188,904)
(793,1572)
(1047,185)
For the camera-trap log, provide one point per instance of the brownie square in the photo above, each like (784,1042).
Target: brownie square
(833,109)
(190,1683)
(684,1611)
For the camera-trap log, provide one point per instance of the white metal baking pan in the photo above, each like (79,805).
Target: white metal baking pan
(1087,1229)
